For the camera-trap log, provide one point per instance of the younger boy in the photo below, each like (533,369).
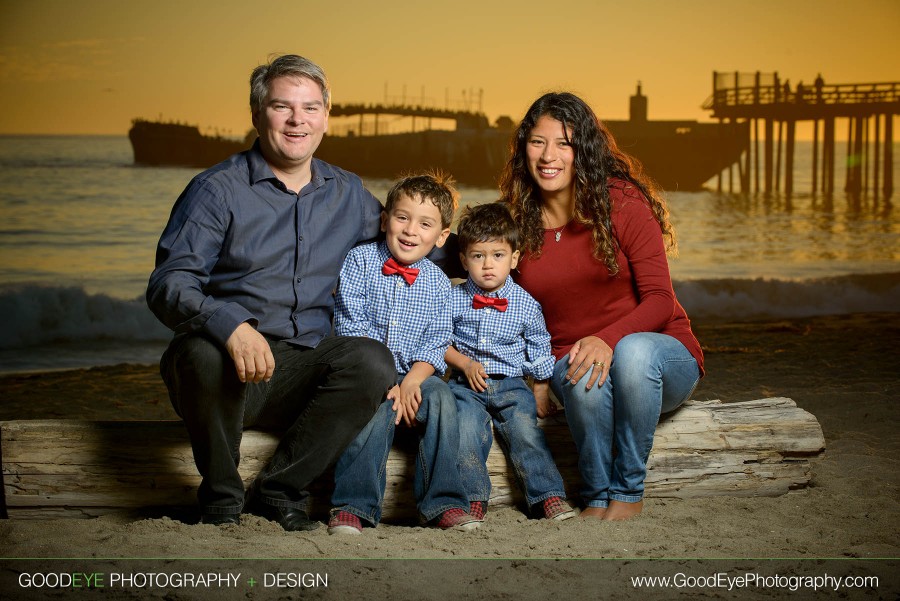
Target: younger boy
(499,336)
(391,292)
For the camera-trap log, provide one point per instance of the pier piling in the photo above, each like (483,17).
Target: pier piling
(751,97)
(888,157)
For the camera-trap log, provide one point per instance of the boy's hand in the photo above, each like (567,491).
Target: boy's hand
(545,405)
(394,396)
(410,398)
(476,375)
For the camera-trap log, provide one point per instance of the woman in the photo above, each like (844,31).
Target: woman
(595,234)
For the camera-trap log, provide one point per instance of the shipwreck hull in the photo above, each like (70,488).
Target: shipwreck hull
(473,157)
(678,155)
(157,144)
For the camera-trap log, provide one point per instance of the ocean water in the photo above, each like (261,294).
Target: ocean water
(80,223)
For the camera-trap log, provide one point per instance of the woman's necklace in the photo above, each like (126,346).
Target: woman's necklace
(557,232)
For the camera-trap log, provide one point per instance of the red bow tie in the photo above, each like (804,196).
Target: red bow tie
(479,302)
(391,267)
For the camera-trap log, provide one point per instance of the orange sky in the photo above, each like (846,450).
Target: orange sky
(90,66)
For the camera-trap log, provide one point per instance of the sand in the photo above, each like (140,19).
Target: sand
(842,369)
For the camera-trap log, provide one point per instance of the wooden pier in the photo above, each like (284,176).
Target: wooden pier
(464,119)
(869,109)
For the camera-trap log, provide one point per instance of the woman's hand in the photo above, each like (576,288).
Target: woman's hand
(589,352)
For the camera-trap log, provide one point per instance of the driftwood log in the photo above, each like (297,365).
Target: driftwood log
(86,468)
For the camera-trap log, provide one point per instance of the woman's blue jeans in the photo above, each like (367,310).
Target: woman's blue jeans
(510,405)
(360,475)
(650,374)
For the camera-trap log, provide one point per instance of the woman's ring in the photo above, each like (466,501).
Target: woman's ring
(599,364)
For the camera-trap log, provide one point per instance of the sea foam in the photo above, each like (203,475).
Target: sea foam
(46,315)
(42,315)
(754,299)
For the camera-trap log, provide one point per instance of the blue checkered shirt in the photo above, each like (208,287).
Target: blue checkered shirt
(514,342)
(411,320)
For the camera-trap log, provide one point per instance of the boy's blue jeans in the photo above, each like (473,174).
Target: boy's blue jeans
(360,474)
(512,406)
(650,374)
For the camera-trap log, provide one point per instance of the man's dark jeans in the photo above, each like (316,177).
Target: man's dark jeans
(321,398)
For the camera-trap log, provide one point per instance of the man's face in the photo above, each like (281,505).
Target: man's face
(291,123)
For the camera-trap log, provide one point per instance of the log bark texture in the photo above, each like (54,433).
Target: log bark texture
(86,468)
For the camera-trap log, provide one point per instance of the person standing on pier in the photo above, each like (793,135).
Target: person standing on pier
(594,239)
(245,273)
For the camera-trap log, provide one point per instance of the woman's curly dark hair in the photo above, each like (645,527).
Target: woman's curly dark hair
(597,159)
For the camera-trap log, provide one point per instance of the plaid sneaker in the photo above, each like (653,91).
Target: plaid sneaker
(556,508)
(456,519)
(344,522)
(477,509)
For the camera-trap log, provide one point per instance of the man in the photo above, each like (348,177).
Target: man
(245,274)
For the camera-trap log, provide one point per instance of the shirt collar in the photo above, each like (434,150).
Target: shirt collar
(260,169)
(384,254)
(502,292)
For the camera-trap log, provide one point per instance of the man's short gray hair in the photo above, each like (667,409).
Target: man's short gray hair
(288,65)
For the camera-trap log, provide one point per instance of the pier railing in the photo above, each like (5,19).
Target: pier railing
(833,94)
(463,119)
(762,98)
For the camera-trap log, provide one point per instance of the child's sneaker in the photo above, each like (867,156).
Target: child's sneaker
(477,509)
(456,519)
(556,508)
(344,522)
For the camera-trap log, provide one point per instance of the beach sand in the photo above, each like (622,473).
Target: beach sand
(842,369)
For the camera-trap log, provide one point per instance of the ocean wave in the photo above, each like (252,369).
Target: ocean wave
(38,316)
(751,299)
(42,315)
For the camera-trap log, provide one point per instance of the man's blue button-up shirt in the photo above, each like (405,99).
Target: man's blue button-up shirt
(241,247)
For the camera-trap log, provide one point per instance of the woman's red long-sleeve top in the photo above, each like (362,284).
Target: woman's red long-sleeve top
(580,298)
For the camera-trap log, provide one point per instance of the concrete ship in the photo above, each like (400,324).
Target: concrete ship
(679,155)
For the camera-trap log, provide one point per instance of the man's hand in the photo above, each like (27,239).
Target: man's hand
(252,356)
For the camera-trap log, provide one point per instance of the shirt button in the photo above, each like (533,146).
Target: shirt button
(300,238)
(298,280)
(483,340)
(393,323)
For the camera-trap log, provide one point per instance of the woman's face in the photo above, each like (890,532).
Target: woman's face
(551,159)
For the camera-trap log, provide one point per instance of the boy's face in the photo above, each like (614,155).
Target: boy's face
(412,229)
(489,263)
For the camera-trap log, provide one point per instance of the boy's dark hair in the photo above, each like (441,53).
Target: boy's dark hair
(491,221)
(436,186)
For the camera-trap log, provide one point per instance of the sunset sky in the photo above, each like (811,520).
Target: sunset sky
(91,66)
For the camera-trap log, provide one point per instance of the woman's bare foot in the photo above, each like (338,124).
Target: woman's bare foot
(619,511)
(593,512)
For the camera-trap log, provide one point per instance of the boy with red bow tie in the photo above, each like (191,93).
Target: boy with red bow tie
(499,336)
(392,292)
